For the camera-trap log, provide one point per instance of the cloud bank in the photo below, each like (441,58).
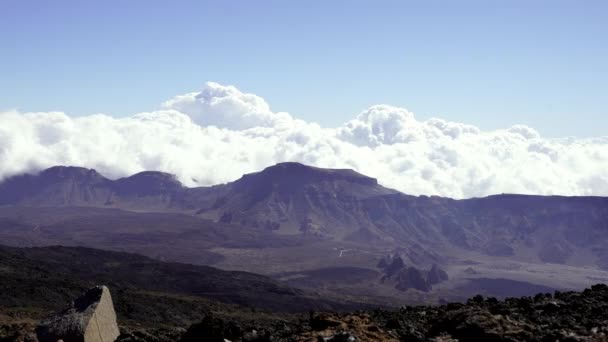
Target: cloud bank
(219,133)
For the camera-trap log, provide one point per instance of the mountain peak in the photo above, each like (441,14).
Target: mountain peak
(70,172)
(148,182)
(293,171)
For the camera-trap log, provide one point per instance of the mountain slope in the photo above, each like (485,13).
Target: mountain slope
(343,205)
(292,198)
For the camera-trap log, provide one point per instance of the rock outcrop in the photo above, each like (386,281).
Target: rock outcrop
(395,266)
(412,278)
(91,318)
(406,278)
(436,275)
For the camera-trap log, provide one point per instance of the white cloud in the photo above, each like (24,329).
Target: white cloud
(226,107)
(217,134)
(382,124)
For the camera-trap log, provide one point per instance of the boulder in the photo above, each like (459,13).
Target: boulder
(213,329)
(90,318)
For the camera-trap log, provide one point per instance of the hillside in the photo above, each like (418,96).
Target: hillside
(165,302)
(45,278)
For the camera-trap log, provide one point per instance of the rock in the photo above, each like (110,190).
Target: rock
(153,335)
(91,318)
(395,266)
(477,324)
(18,332)
(436,275)
(251,336)
(321,321)
(339,337)
(412,278)
(212,329)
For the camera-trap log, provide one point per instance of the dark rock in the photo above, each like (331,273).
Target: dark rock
(339,337)
(322,321)
(395,266)
(436,275)
(210,329)
(412,278)
(480,325)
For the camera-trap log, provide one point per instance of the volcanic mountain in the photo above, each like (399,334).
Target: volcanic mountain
(295,218)
(70,186)
(296,199)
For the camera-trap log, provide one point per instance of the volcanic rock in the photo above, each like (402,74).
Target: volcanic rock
(412,278)
(395,266)
(436,275)
(91,318)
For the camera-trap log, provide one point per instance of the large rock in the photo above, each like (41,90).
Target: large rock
(91,318)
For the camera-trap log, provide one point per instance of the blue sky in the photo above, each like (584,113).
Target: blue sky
(487,63)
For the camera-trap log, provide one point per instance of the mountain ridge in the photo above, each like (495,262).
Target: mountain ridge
(295,219)
(169,181)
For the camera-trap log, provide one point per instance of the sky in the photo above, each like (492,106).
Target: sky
(491,64)
(451,98)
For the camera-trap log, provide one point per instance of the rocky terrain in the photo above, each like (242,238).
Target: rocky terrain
(157,301)
(559,316)
(148,294)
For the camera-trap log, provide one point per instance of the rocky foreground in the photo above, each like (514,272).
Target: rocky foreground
(562,316)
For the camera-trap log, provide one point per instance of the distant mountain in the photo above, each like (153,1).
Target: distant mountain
(294,219)
(296,199)
(76,186)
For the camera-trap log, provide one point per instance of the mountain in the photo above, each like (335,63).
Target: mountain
(339,205)
(56,186)
(308,225)
(76,186)
(289,197)
(292,198)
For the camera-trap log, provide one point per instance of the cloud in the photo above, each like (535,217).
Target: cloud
(382,124)
(217,134)
(226,107)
